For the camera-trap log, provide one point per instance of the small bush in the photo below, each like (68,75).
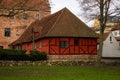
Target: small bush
(36,55)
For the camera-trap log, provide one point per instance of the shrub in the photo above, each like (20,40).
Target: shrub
(36,55)
(17,55)
(11,54)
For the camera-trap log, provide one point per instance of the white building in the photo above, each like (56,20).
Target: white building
(111,44)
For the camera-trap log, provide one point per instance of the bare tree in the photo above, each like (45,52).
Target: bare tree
(14,7)
(103,9)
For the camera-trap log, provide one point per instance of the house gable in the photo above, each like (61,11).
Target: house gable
(111,47)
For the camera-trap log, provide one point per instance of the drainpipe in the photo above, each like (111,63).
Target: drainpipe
(33,39)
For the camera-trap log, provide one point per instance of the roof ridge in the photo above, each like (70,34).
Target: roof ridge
(56,21)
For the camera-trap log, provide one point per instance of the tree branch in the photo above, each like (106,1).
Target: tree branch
(19,7)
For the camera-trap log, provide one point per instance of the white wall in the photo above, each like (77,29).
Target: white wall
(116,33)
(111,48)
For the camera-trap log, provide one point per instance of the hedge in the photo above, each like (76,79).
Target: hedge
(19,55)
(36,55)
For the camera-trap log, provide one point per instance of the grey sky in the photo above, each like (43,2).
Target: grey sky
(72,5)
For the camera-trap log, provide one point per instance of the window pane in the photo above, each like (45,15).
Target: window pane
(7,32)
(37,16)
(40,44)
(66,44)
(26,46)
(1,47)
(25,16)
(115,33)
(11,15)
(110,38)
(76,42)
(63,44)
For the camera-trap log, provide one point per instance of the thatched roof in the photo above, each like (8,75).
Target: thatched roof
(60,24)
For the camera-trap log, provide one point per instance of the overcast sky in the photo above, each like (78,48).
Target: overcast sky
(72,5)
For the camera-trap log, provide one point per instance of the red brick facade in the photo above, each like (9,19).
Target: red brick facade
(18,24)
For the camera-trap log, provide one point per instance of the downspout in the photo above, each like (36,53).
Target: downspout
(33,39)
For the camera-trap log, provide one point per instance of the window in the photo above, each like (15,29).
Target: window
(11,15)
(37,16)
(119,46)
(63,44)
(40,44)
(1,47)
(26,46)
(35,46)
(25,16)
(7,32)
(76,42)
(115,33)
(17,34)
(110,39)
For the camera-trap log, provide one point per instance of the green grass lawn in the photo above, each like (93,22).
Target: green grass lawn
(60,73)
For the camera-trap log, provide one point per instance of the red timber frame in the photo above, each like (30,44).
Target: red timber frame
(87,46)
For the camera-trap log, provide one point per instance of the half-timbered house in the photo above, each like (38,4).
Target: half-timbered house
(61,35)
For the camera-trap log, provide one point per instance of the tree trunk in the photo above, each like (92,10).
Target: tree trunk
(101,20)
(99,55)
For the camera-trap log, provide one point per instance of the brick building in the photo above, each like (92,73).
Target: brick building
(11,27)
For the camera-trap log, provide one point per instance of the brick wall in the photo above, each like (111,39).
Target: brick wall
(17,26)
